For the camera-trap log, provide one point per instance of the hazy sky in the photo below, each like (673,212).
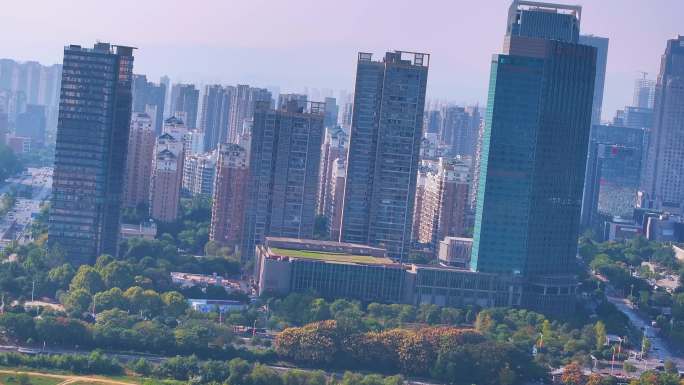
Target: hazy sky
(302,43)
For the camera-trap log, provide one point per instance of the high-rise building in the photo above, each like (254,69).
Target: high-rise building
(184,103)
(32,124)
(426,167)
(176,127)
(634,117)
(663,174)
(31,83)
(167,177)
(346,118)
(601,45)
(194,142)
(139,160)
(150,98)
(334,147)
(459,128)
(284,165)
(644,92)
(335,202)
(294,100)
(215,119)
(4,127)
(432,122)
(229,199)
(331,112)
(242,108)
(612,181)
(90,155)
(534,153)
(445,203)
(199,171)
(382,163)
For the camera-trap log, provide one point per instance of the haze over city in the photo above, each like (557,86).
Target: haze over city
(306,43)
(290,192)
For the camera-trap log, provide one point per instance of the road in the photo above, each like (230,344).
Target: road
(16,224)
(659,349)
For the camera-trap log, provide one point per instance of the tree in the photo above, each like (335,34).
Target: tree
(600,332)
(319,310)
(117,274)
(594,379)
(60,276)
(19,325)
(76,301)
(239,370)
(88,279)
(645,345)
(141,366)
(671,366)
(152,302)
(175,304)
(135,298)
(154,336)
(9,163)
(102,261)
(110,299)
(572,374)
(263,375)
(214,371)
(507,376)
(179,368)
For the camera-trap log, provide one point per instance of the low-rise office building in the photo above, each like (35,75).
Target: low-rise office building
(346,270)
(455,251)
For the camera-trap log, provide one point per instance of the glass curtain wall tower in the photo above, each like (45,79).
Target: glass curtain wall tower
(534,153)
(90,155)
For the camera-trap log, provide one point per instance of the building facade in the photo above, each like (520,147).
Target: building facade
(229,198)
(284,165)
(184,103)
(334,147)
(663,174)
(149,98)
(345,270)
(644,93)
(167,177)
(534,153)
(244,99)
(90,154)
(458,131)
(199,171)
(333,205)
(445,202)
(139,160)
(216,112)
(382,163)
(601,45)
(32,124)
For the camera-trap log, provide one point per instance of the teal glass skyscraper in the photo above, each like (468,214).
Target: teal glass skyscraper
(534,151)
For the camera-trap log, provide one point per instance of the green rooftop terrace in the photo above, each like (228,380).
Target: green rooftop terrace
(330,257)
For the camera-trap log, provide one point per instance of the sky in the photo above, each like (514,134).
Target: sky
(294,44)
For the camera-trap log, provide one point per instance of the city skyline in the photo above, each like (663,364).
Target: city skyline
(206,54)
